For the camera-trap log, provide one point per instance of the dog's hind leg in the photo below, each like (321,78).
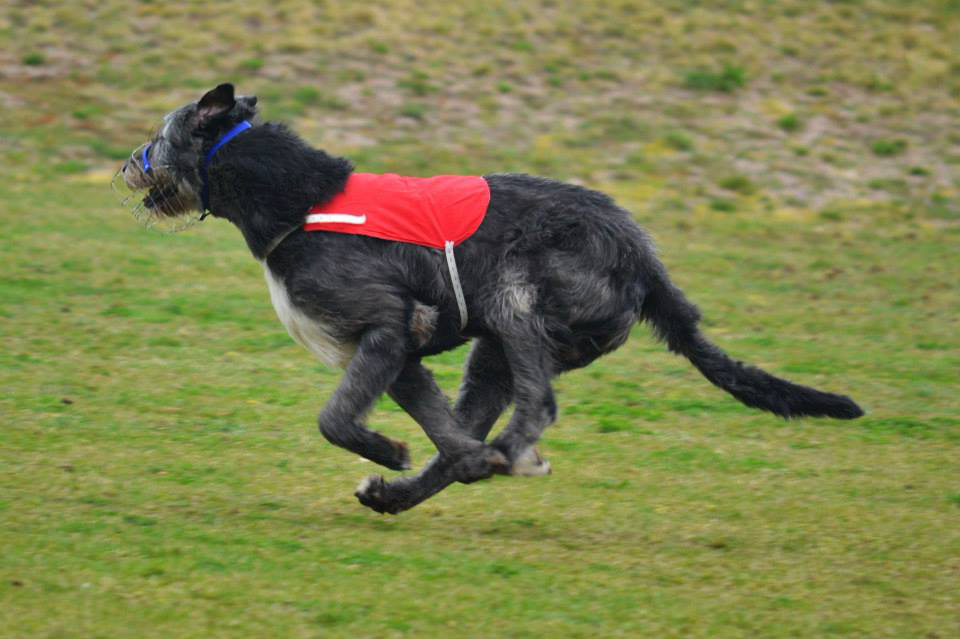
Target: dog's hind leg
(378,360)
(532,367)
(486,391)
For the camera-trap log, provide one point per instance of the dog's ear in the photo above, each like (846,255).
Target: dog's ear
(215,103)
(246,106)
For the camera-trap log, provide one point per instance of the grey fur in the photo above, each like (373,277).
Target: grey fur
(555,277)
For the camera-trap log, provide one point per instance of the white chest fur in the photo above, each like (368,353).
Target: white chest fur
(306,331)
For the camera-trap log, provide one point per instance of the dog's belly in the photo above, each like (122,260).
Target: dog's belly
(306,331)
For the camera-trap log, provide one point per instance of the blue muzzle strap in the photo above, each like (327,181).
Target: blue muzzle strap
(205,190)
(145,159)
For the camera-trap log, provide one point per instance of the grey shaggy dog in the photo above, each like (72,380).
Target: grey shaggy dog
(555,276)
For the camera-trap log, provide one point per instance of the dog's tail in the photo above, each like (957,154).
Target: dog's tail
(674,319)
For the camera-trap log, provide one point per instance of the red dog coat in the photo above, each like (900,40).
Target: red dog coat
(425,211)
(438,212)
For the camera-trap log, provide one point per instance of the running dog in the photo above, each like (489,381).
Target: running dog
(374,273)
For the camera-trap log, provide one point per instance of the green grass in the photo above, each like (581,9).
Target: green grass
(888,148)
(160,470)
(34,59)
(725,80)
(790,123)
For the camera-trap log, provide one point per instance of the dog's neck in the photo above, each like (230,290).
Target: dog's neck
(267,179)
(244,125)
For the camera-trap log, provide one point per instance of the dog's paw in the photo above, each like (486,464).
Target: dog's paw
(372,493)
(530,464)
(402,457)
(481,464)
(390,453)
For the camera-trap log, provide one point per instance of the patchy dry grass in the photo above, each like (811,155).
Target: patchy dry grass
(875,84)
(160,473)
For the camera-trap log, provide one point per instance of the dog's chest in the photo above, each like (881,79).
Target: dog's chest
(310,333)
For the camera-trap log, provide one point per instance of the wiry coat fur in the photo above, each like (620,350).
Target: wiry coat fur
(555,277)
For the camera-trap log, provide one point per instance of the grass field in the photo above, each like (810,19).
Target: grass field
(797,162)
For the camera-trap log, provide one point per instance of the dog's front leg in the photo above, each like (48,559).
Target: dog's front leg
(379,359)
(485,393)
(418,394)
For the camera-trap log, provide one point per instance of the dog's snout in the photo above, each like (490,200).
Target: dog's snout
(132,172)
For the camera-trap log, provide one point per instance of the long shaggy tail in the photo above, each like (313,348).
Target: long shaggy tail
(674,319)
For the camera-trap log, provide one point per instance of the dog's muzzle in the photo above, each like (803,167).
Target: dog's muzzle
(165,206)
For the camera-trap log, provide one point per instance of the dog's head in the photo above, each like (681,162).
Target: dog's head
(168,166)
